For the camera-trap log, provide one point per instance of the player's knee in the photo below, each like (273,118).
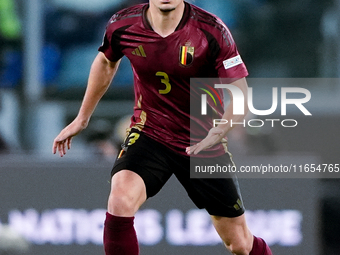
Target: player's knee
(127,194)
(121,203)
(239,248)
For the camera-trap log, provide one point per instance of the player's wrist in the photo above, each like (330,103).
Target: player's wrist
(222,130)
(82,121)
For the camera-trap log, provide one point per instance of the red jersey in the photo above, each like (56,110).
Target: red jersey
(201,46)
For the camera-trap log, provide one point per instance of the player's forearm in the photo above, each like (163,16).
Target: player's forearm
(101,74)
(229,112)
(231,118)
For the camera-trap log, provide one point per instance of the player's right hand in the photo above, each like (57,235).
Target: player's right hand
(215,135)
(63,141)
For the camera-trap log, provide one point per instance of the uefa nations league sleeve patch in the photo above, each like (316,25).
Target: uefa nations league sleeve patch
(231,62)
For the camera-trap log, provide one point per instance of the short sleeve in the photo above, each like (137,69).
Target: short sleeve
(111,45)
(229,63)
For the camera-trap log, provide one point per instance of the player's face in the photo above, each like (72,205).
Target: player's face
(166,5)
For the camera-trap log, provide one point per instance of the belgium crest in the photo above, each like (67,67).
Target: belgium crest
(186,55)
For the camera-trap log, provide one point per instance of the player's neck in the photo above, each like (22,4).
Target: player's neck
(165,23)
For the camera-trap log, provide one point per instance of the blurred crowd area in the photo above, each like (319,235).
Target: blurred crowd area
(72,32)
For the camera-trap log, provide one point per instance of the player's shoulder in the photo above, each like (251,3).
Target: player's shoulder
(127,16)
(210,23)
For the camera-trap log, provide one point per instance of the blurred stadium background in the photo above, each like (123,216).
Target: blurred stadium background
(56,206)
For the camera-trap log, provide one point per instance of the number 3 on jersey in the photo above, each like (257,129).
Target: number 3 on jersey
(165,81)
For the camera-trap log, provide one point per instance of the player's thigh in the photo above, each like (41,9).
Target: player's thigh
(234,232)
(140,171)
(128,193)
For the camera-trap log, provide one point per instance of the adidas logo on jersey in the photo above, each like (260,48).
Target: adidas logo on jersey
(139,51)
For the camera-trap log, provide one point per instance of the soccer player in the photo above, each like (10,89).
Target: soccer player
(167,43)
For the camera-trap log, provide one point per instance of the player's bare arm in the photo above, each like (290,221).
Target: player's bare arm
(101,74)
(216,134)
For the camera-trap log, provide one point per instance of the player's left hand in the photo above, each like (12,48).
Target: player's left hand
(214,136)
